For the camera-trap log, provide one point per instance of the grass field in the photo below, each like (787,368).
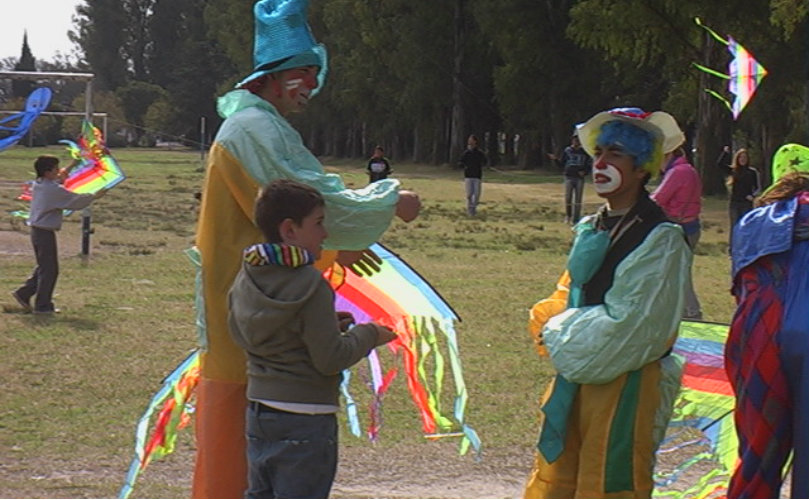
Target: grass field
(73,386)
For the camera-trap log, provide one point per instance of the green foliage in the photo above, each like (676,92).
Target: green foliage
(102,41)
(21,88)
(789,14)
(136,97)
(415,76)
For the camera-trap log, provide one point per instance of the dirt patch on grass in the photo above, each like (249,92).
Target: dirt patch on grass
(429,470)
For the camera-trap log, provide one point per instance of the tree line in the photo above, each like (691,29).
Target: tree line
(418,76)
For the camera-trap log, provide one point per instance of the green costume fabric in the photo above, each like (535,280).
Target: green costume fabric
(269,148)
(596,344)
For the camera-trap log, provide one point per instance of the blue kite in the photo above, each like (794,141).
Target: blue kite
(18,124)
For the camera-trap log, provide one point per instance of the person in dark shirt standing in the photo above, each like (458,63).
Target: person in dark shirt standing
(576,164)
(472,160)
(378,166)
(744,185)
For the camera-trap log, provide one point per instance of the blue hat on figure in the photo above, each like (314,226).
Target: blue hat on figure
(283,40)
(646,136)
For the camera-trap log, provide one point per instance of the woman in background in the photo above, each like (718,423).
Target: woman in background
(743,183)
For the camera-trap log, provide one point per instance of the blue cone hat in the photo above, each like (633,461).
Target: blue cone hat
(283,40)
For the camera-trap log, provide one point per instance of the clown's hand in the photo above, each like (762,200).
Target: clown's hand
(408,206)
(363,263)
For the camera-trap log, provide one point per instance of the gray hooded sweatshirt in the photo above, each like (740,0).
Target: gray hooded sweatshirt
(284,318)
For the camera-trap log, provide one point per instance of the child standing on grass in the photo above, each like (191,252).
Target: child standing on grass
(282,314)
(48,199)
(378,166)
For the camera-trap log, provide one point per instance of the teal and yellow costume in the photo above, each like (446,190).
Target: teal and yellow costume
(608,329)
(254,146)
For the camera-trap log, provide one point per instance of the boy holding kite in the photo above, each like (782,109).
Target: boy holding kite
(254,146)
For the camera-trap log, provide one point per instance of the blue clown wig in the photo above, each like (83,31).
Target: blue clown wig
(634,141)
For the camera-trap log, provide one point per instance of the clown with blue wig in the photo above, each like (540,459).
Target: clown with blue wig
(609,326)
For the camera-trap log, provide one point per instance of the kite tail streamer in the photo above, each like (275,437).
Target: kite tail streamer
(429,346)
(417,391)
(721,98)
(351,406)
(711,71)
(174,396)
(713,33)
(375,406)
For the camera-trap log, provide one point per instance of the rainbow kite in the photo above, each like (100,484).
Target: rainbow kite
(395,296)
(98,169)
(175,400)
(701,436)
(744,73)
(36,103)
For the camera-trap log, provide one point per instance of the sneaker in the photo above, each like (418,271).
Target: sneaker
(55,310)
(26,306)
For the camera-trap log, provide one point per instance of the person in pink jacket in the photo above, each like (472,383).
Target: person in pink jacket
(680,196)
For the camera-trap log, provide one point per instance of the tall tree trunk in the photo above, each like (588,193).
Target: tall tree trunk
(416,145)
(710,138)
(457,132)
(364,138)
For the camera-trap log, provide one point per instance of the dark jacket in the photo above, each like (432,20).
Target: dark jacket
(575,162)
(472,161)
(378,168)
(744,183)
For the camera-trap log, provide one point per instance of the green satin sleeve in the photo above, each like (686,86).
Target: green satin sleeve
(269,148)
(638,321)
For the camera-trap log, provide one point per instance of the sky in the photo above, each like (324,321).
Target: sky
(46,21)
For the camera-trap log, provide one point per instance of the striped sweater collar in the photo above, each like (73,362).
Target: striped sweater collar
(278,254)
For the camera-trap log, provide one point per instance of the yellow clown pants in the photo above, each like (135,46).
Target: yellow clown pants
(609,449)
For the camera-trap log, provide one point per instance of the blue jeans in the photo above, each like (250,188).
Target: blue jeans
(289,455)
(473,187)
(574,187)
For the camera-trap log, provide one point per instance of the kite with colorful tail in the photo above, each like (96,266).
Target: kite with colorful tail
(97,169)
(395,296)
(700,451)
(744,73)
(175,401)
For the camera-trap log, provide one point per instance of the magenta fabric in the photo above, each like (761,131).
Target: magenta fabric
(680,192)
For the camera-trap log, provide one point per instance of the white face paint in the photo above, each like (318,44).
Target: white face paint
(607,178)
(294,83)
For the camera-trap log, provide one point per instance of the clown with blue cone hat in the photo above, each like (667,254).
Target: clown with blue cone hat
(254,146)
(283,40)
